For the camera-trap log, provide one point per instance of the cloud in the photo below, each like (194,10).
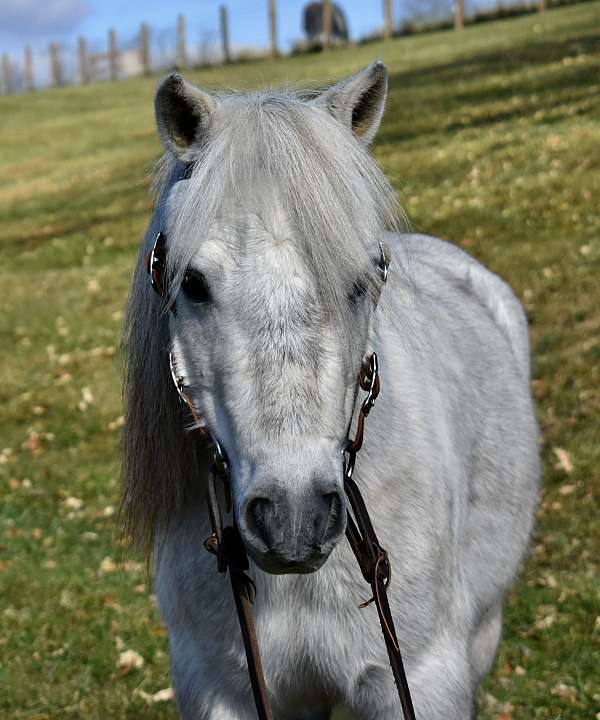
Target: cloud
(35,17)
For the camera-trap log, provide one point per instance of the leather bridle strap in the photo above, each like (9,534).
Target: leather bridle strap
(229,549)
(371,557)
(374,564)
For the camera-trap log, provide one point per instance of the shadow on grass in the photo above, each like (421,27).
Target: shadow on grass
(538,52)
(61,214)
(485,103)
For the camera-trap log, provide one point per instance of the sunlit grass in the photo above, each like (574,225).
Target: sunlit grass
(492,137)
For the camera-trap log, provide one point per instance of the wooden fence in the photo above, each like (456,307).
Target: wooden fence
(114,63)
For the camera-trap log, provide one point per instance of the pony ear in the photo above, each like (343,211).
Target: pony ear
(183,115)
(358,102)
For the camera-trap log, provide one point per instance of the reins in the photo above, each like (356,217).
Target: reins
(227,545)
(372,559)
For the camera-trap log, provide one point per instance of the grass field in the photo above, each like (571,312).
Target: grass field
(492,138)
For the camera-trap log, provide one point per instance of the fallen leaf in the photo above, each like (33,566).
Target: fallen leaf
(564,461)
(163,695)
(116,423)
(66,599)
(74,503)
(129,660)
(160,696)
(546,622)
(565,691)
(107,565)
(111,602)
(489,701)
(566,489)
(131,566)
(33,442)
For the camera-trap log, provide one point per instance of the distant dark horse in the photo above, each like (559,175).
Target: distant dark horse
(313,22)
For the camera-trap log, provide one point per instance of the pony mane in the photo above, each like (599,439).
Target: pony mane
(339,204)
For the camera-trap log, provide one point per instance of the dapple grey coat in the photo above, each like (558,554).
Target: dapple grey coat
(274,198)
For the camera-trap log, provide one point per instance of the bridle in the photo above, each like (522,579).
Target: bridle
(227,545)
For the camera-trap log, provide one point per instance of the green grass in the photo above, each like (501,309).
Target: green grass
(492,138)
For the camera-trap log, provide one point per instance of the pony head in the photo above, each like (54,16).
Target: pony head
(273,212)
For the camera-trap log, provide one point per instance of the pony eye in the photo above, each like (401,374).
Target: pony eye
(195,287)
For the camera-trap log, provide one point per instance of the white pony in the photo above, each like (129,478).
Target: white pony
(273,212)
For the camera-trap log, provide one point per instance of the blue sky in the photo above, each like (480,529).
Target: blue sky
(37,22)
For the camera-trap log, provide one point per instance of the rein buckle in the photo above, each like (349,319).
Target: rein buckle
(156,264)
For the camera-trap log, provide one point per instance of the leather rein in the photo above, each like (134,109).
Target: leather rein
(227,545)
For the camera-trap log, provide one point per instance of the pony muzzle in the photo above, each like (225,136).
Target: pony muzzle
(291,532)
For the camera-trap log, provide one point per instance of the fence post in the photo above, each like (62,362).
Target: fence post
(327,22)
(55,69)
(113,55)
(145,48)
(84,68)
(273,27)
(388,22)
(459,14)
(28,70)
(181,56)
(224,33)
(6,75)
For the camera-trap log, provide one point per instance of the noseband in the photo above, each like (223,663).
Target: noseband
(227,545)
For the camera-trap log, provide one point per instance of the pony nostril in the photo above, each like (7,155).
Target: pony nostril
(257,515)
(334,515)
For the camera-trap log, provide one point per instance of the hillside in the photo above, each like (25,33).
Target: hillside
(492,138)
